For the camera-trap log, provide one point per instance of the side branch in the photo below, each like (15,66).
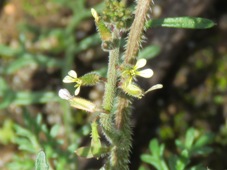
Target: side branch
(135,34)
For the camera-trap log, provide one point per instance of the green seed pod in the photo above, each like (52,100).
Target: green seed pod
(90,79)
(83,104)
(132,90)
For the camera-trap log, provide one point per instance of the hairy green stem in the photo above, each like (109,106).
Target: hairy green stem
(110,88)
(119,157)
(136,31)
(106,120)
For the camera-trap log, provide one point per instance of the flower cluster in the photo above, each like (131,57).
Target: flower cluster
(79,103)
(130,73)
(72,78)
(134,71)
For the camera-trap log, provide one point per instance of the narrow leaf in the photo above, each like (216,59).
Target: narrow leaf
(54,130)
(204,140)
(8,52)
(149,52)
(28,59)
(190,137)
(181,22)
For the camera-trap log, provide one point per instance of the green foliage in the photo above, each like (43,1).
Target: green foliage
(28,141)
(194,144)
(156,159)
(41,163)
(181,22)
(149,52)
(43,48)
(6,132)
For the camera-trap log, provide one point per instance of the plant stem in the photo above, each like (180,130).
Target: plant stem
(136,31)
(119,157)
(106,120)
(122,143)
(110,88)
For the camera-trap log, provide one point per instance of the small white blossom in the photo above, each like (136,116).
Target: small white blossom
(64,94)
(134,71)
(72,78)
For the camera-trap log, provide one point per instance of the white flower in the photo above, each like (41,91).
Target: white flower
(131,72)
(64,94)
(77,102)
(72,78)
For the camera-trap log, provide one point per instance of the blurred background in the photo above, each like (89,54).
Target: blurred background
(41,40)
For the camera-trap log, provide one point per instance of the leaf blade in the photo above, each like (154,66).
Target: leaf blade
(41,163)
(181,22)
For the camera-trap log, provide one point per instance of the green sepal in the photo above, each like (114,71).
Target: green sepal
(90,79)
(104,32)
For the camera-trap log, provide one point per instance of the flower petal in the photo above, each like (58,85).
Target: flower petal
(68,79)
(72,73)
(155,87)
(64,94)
(77,90)
(146,73)
(140,63)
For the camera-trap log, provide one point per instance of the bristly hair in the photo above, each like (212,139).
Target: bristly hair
(135,36)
